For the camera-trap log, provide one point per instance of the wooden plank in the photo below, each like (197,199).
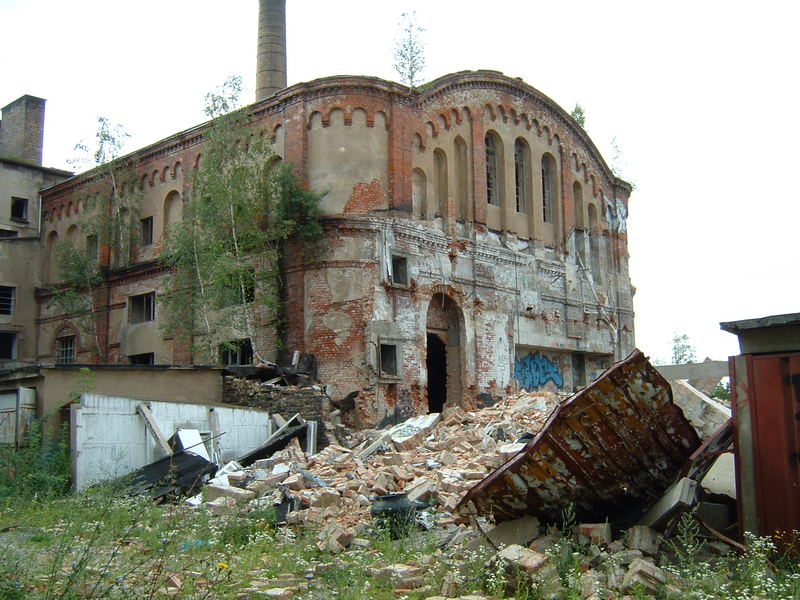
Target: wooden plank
(144,411)
(213,420)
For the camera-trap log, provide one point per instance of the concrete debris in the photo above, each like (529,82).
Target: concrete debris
(399,576)
(679,496)
(240,496)
(434,459)
(645,540)
(434,464)
(644,573)
(597,533)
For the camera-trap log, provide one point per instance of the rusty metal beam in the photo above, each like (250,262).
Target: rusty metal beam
(611,450)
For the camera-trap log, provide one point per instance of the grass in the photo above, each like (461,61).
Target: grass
(102,544)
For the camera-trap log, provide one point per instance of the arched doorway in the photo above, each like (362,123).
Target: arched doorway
(443,359)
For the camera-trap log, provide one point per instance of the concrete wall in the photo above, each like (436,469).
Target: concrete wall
(198,386)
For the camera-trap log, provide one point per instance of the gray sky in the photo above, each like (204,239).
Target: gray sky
(699,95)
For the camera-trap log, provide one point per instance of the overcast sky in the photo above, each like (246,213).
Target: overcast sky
(701,97)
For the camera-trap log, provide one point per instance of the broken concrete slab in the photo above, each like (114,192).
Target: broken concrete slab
(705,414)
(519,532)
(409,434)
(399,575)
(644,539)
(681,495)
(240,496)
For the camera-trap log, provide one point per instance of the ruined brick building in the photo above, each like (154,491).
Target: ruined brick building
(475,240)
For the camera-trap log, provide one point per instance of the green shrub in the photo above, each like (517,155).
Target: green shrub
(41,467)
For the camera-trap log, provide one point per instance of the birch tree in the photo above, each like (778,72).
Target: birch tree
(110,221)
(225,254)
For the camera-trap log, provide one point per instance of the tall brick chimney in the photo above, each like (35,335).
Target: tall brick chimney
(271,62)
(22,129)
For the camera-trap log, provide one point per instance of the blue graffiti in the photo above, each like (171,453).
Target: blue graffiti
(534,370)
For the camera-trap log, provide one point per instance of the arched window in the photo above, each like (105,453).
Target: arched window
(440,181)
(577,204)
(522,172)
(462,179)
(494,171)
(594,243)
(419,193)
(549,189)
(51,259)
(173,210)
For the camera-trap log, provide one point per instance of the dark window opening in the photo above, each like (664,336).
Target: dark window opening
(66,350)
(7,297)
(148,358)
(389,364)
(8,233)
(436,363)
(19,209)
(520,176)
(237,352)
(578,371)
(238,287)
(399,270)
(8,345)
(547,192)
(91,248)
(492,183)
(142,308)
(146,231)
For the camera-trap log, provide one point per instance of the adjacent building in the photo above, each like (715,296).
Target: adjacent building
(22,176)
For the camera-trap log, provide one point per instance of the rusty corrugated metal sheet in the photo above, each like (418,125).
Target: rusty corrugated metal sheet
(610,450)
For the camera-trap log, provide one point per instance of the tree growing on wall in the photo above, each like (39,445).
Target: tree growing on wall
(682,350)
(224,256)
(579,115)
(109,220)
(409,50)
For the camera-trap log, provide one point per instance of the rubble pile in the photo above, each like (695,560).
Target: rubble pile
(434,459)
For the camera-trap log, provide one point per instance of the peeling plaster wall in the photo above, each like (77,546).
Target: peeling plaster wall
(348,160)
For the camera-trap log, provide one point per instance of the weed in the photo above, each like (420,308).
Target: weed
(40,468)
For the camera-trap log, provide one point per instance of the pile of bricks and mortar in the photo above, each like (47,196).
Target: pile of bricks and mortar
(435,459)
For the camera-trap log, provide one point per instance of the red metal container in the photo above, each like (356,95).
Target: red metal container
(765,385)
